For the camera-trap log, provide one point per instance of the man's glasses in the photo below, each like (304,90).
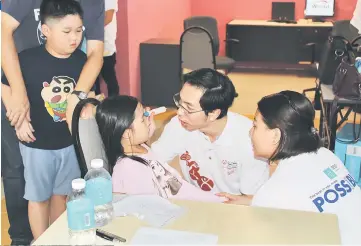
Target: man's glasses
(177,100)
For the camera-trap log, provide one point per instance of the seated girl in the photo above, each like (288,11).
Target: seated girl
(135,170)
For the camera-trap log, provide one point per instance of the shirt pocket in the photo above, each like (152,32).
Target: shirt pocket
(230,167)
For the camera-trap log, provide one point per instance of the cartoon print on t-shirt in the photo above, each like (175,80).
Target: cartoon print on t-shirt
(55,96)
(168,183)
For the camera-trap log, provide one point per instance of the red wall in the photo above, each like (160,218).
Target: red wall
(143,20)
(226,10)
(140,20)
(122,43)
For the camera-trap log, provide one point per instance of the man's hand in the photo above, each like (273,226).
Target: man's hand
(25,132)
(151,123)
(87,112)
(236,199)
(18,109)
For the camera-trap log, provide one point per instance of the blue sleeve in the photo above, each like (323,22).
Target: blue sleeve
(18,9)
(93,19)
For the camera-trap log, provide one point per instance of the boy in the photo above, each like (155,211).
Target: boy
(50,73)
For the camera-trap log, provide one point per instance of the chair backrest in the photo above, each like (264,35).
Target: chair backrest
(196,49)
(345,29)
(207,22)
(335,49)
(86,137)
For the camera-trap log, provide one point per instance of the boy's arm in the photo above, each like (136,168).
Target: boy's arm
(94,32)
(13,13)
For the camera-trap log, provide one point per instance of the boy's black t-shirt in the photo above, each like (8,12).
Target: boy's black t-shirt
(49,80)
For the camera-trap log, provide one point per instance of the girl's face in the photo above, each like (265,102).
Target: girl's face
(139,132)
(264,140)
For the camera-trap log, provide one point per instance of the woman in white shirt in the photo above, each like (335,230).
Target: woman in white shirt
(303,176)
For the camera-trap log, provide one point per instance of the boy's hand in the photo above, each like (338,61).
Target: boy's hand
(25,132)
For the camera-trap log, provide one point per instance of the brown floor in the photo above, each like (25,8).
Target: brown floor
(250,87)
(5,239)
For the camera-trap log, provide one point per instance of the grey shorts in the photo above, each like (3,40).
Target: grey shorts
(48,172)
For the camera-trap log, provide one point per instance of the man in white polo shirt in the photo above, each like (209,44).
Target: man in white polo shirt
(213,145)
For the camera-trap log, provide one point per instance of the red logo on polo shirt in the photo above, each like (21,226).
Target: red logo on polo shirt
(204,183)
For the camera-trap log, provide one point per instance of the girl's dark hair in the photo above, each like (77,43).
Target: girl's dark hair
(114,115)
(293,114)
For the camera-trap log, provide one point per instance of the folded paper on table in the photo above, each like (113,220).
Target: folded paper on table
(155,210)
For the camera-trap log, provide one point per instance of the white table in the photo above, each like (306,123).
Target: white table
(234,224)
(328,96)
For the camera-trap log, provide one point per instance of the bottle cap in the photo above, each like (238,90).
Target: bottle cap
(78,184)
(96,163)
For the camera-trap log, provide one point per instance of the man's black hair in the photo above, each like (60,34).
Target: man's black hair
(219,91)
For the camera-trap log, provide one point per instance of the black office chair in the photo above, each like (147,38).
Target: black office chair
(210,24)
(196,50)
(86,138)
(340,28)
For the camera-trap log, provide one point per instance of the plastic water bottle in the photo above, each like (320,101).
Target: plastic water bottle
(99,189)
(80,210)
(358,64)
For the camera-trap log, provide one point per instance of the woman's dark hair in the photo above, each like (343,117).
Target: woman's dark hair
(114,115)
(293,114)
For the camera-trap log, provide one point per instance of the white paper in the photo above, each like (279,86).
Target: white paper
(147,235)
(153,209)
(118,197)
(320,8)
